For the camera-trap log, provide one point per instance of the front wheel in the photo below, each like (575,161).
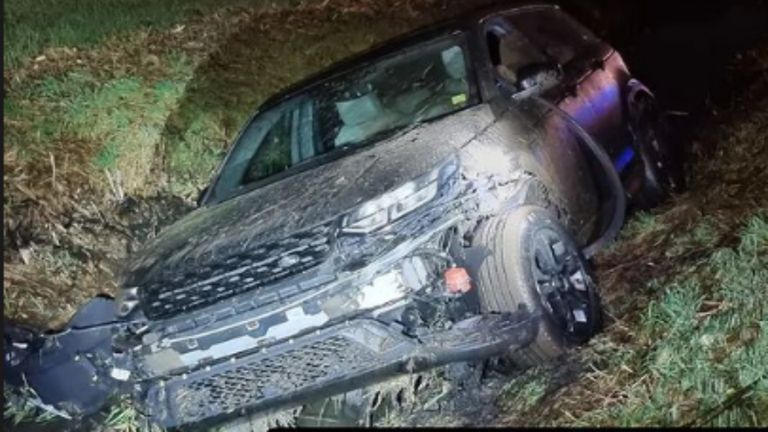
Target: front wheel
(533,262)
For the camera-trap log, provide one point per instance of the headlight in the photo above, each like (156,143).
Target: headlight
(396,203)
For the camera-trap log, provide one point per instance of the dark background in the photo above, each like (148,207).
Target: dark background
(679,48)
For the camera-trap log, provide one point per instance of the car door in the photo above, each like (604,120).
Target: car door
(560,156)
(595,81)
(595,75)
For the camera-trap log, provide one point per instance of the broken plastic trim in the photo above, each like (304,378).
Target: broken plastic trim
(68,370)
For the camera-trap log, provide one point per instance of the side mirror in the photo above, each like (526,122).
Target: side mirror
(201,195)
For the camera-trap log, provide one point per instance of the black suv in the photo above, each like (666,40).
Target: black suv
(432,200)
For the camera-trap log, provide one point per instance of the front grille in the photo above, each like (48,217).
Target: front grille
(267,264)
(290,371)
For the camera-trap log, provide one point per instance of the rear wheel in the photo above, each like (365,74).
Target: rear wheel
(661,156)
(533,262)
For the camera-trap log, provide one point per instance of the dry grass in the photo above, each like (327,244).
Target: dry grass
(64,111)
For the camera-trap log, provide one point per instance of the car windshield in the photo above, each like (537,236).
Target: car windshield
(352,109)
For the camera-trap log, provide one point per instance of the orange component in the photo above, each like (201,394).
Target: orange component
(457,280)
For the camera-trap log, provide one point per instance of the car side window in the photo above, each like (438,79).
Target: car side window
(274,153)
(272,142)
(554,34)
(510,51)
(290,141)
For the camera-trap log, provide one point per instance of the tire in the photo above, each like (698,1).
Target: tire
(515,244)
(659,150)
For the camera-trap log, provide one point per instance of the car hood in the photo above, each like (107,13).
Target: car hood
(309,198)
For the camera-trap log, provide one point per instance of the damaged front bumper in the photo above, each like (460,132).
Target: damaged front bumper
(327,362)
(67,380)
(349,332)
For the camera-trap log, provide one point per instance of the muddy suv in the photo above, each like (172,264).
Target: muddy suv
(433,200)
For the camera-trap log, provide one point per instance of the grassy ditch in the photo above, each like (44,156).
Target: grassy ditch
(116,113)
(30,27)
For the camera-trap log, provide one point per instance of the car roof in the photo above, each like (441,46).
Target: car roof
(461,24)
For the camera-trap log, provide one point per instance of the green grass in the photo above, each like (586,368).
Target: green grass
(31,26)
(527,390)
(123,417)
(706,341)
(18,409)
(123,117)
(642,222)
(119,121)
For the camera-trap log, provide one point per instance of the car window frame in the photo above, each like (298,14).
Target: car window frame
(573,70)
(491,22)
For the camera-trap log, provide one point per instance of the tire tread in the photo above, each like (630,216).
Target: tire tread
(501,281)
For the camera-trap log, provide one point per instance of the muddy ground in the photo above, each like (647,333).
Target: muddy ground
(64,236)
